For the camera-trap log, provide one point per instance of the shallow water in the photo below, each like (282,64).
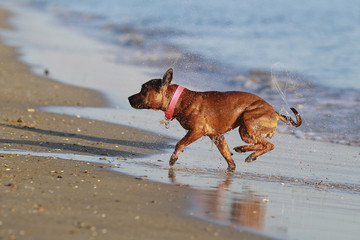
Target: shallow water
(301,190)
(296,200)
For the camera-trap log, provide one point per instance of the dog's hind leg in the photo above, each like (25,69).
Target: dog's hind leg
(221,144)
(258,144)
(265,147)
(247,139)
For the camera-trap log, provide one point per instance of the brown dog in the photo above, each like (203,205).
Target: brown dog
(213,114)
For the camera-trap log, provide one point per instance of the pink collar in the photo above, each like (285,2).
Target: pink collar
(169,114)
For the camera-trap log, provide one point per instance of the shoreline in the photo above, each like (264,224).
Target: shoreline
(47,198)
(272,196)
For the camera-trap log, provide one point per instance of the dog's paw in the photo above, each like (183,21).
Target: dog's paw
(240,149)
(230,170)
(172,161)
(250,159)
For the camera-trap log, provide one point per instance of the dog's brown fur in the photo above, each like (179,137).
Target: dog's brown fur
(213,114)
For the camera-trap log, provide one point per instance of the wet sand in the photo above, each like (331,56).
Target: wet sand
(51,198)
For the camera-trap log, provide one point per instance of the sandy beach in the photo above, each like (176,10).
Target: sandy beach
(51,198)
(78,162)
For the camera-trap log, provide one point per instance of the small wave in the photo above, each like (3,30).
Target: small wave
(132,39)
(320,184)
(316,183)
(329,114)
(260,80)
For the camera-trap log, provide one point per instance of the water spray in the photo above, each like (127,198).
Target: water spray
(275,82)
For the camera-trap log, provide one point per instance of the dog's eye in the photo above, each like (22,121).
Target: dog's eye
(144,90)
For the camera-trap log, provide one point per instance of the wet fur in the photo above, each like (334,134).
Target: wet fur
(214,113)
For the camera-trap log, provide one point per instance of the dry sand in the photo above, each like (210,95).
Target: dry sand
(51,198)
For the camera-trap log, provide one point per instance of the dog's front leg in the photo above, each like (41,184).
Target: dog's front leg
(189,138)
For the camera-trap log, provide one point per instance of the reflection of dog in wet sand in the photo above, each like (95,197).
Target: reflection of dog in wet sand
(213,114)
(245,208)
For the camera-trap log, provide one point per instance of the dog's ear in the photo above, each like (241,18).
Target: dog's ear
(167,78)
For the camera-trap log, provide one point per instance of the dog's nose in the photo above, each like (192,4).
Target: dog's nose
(132,100)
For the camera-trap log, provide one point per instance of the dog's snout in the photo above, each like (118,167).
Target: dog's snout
(137,102)
(132,100)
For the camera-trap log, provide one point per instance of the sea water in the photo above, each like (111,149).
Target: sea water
(305,53)
(114,46)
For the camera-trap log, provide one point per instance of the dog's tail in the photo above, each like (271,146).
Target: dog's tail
(288,120)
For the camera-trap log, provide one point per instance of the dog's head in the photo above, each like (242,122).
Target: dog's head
(152,93)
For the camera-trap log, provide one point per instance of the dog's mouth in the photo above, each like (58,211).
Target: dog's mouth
(140,106)
(137,103)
